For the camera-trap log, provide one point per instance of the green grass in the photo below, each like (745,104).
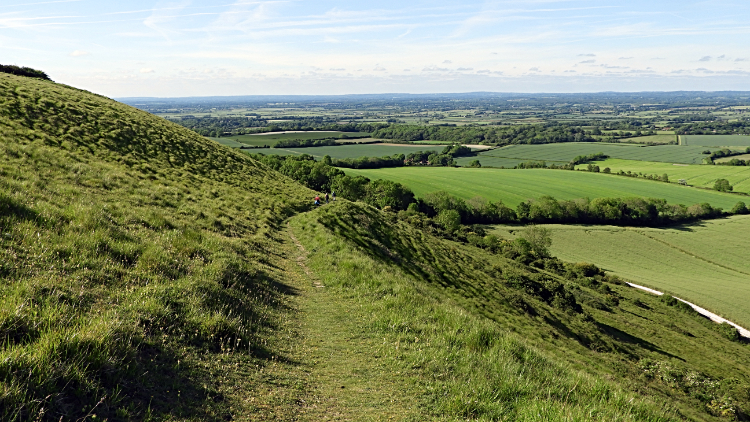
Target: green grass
(515,186)
(716,140)
(568,151)
(704,263)
(448,320)
(347,151)
(695,175)
(137,262)
(656,139)
(271,139)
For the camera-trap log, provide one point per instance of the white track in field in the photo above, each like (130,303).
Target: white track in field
(710,315)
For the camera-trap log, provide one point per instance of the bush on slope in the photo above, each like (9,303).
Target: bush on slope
(134,257)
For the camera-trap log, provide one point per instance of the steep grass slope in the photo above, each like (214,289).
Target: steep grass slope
(135,258)
(486,338)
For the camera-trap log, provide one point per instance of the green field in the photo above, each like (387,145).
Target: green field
(348,151)
(656,139)
(704,263)
(515,186)
(499,162)
(270,139)
(694,174)
(716,140)
(568,151)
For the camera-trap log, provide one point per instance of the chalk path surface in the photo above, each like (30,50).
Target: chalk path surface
(710,315)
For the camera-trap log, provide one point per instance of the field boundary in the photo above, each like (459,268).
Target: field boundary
(708,314)
(691,253)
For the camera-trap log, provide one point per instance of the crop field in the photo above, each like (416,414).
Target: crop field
(568,151)
(499,162)
(348,151)
(694,174)
(695,262)
(271,138)
(716,140)
(515,186)
(656,139)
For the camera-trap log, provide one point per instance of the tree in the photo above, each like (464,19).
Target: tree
(475,163)
(539,239)
(450,220)
(665,177)
(739,208)
(722,185)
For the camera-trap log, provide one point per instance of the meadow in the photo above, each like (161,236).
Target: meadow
(349,151)
(515,186)
(655,139)
(270,139)
(716,140)
(694,174)
(704,263)
(568,151)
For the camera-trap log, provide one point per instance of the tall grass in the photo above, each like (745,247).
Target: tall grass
(131,250)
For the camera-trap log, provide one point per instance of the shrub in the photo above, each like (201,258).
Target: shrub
(722,185)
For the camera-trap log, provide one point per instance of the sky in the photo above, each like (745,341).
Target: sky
(178,48)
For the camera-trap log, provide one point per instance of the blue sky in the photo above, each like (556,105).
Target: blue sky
(198,47)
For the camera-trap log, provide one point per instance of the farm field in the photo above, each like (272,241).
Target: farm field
(348,151)
(271,139)
(568,151)
(656,139)
(694,174)
(716,140)
(694,262)
(499,162)
(515,186)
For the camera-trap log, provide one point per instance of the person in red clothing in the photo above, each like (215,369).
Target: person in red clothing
(317,200)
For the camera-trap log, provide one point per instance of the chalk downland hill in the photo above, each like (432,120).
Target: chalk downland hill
(147,273)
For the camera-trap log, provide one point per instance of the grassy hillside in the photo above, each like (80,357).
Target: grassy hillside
(135,258)
(486,338)
(704,263)
(716,140)
(148,273)
(694,174)
(515,186)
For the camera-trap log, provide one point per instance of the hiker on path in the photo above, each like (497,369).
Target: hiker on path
(326,197)
(333,195)
(317,200)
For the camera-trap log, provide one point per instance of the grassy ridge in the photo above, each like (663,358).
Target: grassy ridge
(515,186)
(136,261)
(272,138)
(349,151)
(695,262)
(460,323)
(695,175)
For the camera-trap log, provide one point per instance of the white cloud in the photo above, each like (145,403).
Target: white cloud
(588,61)
(464,69)
(147,70)
(587,55)
(705,59)
(447,62)
(79,53)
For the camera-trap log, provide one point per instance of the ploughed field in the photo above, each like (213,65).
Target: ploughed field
(515,186)
(695,175)
(705,263)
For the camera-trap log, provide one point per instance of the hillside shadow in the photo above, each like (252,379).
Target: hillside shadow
(623,337)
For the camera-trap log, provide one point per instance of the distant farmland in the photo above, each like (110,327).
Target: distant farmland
(695,175)
(695,262)
(515,186)
(716,140)
(270,139)
(348,151)
(564,152)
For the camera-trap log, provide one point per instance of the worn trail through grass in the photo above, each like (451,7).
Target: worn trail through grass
(347,378)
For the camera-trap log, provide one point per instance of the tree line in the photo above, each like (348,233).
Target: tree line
(24,71)
(450,212)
